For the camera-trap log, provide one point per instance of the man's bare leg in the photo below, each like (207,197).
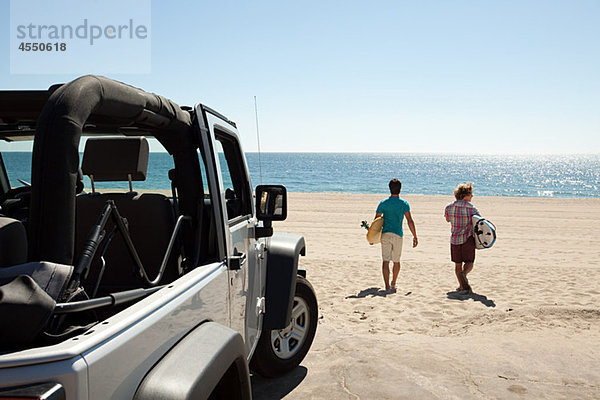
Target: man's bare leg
(468,267)
(385,268)
(395,273)
(458,269)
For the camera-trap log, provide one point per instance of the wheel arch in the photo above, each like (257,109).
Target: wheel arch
(283,252)
(208,362)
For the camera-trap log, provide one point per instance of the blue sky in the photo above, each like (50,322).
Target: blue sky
(397,76)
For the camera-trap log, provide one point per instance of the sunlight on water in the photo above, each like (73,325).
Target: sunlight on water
(492,175)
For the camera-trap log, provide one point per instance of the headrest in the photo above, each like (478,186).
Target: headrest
(114,159)
(13,242)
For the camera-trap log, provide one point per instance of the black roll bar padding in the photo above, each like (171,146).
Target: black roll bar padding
(55,160)
(112,299)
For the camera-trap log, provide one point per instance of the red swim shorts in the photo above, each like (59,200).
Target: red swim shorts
(463,252)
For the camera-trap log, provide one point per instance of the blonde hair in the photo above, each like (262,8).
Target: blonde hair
(463,190)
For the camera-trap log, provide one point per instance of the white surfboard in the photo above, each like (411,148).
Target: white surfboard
(484,232)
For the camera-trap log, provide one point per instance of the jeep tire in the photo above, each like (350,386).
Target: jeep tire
(281,350)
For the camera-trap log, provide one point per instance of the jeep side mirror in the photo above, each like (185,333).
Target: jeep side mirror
(271,203)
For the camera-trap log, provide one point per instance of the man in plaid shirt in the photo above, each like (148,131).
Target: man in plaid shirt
(462,242)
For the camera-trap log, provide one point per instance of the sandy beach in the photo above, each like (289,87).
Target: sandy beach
(530,330)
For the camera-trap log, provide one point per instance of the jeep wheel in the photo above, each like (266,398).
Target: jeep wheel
(281,350)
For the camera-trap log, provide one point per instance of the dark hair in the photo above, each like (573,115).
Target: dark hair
(395,186)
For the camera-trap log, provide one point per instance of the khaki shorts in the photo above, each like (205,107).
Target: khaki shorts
(391,247)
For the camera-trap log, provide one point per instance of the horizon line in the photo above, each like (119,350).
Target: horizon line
(387,152)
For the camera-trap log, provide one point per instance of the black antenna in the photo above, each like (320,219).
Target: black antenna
(258,140)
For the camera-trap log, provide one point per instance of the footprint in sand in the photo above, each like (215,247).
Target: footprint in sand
(363,316)
(517,389)
(431,314)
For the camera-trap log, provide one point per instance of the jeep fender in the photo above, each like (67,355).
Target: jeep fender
(211,357)
(283,251)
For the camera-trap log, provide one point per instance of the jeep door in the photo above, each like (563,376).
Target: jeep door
(239,223)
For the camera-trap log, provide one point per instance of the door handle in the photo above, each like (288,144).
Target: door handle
(236,261)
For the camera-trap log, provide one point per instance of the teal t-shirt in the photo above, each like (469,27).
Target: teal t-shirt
(393,209)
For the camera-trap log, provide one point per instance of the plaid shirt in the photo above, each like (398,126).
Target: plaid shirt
(460,213)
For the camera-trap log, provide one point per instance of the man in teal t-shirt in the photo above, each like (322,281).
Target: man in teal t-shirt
(394,209)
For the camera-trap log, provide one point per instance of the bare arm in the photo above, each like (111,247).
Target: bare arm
(413,229)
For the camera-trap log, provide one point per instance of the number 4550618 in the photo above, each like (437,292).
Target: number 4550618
(43,46)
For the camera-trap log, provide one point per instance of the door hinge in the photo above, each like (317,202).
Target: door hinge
(260,305)
(260,250)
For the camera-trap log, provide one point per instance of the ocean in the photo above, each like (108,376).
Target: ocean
(575,176)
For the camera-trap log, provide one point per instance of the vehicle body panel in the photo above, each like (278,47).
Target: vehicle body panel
(116,350)
(72,374)
(123,360)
